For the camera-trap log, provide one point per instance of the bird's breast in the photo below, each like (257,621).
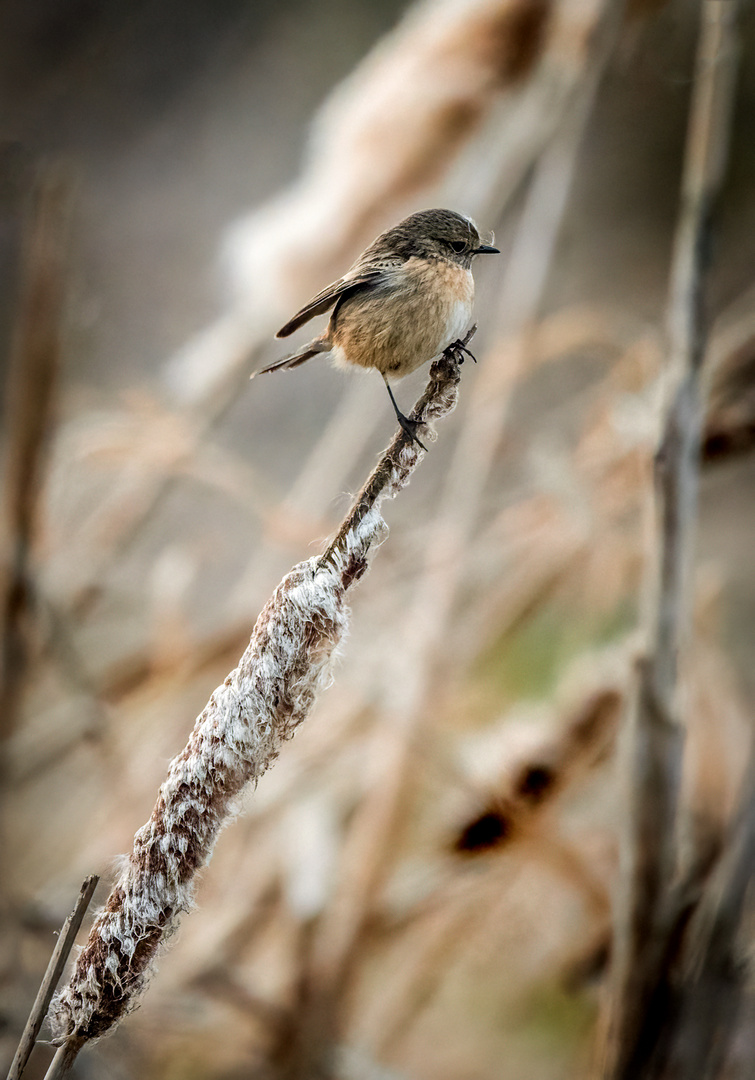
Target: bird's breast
(422,307)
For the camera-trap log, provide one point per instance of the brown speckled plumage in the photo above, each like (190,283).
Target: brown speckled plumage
(405,299)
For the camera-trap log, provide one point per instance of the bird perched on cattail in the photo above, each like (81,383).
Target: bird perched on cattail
(406,299)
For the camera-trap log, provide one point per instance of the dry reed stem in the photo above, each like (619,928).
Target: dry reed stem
(234,741)
(31,390)
(444,377)
(52,975)
(648,919)
(65,1055)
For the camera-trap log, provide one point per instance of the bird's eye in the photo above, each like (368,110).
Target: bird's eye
(457,245)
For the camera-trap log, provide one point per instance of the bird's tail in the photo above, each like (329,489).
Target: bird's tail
(306,353)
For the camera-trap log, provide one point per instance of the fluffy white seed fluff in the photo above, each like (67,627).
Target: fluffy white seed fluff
(235,739)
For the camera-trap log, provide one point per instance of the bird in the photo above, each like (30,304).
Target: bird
(407,299)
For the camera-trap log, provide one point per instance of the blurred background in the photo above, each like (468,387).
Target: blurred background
(425,878)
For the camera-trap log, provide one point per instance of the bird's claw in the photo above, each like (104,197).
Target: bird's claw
(457,347)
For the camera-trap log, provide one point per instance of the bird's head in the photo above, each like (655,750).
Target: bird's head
(435,234)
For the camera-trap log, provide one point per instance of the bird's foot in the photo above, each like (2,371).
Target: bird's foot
(457,347)
(410,428)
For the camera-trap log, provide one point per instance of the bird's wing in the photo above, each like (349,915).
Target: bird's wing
(355,281)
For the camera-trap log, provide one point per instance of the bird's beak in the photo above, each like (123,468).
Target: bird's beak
(486,249)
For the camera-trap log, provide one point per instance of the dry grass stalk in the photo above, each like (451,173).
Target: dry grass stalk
(55,967)
(648,922)
(32,380)
(235,739)
(438,399)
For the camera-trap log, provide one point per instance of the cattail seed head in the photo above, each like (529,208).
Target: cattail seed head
(235,740)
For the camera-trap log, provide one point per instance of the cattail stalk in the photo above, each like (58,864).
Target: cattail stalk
(235,740)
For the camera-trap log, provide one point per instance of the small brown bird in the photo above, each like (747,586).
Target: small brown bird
(404,301)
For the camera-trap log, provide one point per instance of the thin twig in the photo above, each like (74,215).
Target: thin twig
(447,367)
(54,970)
(651,906)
